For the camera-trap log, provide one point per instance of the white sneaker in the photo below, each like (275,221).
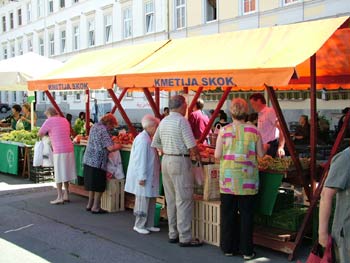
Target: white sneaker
(141,230)
(153,229)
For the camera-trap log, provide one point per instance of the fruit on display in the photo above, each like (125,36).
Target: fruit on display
(205,151)
(281,164)
(22,136)
(123,138)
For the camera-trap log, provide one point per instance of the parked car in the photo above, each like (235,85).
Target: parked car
(4,107)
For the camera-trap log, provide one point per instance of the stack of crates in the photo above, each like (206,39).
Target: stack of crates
(39,174)
(113,198)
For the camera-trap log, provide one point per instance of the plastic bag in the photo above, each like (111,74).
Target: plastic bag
(114,165)
(198,174)
(38,154)
(47,152)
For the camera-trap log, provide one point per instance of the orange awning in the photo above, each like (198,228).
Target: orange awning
(247,59)
(95,69)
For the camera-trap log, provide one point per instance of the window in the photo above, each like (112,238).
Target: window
(287,2)
(211,10)
(91,31)
(108,28)
(11,20)
(75,1)
(29,12)
(63,41)
(30,44)
(12,50)
(249,6)
(62,3)
(20,47)
(77,96)
(43,96)
(50,6)
(40,5)
(149,17)
(4,24)
(76,38)
(127,18)
(4,52)
(15,96)
(51,44)
(180,14)
(19,14)
(64,96)
(41,46)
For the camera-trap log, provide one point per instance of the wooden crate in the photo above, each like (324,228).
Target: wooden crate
(113,198)
(206,221)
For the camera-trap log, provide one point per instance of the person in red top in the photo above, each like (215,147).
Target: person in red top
(198,119)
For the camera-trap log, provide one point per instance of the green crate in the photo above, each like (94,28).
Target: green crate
(125,155)
(157,214)
(288,219)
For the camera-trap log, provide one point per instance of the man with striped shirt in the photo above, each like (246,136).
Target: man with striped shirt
(175,139)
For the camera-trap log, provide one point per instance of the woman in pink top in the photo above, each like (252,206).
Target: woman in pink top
(58,129)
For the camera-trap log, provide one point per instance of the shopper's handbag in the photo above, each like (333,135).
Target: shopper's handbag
(317,255)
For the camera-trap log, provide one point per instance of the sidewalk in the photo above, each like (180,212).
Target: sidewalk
(68,233)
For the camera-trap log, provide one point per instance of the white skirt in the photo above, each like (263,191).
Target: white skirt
(64,167)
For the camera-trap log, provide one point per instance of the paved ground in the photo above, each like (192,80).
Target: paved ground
(32,230)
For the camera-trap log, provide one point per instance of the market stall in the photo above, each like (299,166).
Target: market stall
(14,74)
(247,60)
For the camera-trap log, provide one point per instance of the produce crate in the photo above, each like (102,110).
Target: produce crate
(113,198)
(288,219)
(40,174)
(206,221)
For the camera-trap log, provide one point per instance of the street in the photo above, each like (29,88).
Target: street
(32,230)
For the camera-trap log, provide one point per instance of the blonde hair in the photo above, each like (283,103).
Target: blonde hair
(109,119)
(239,109)
(27,106)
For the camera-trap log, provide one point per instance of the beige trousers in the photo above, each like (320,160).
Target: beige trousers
(178,188)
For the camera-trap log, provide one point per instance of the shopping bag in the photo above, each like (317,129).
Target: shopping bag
(318,256)
(38,154)
(198,174)
(211,189)
(114,165)
(47,152)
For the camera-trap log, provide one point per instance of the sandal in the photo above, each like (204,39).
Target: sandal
(193,243)
(57,202)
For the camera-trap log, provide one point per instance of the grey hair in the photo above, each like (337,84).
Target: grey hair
(176,102)
(51,111)
(149,121)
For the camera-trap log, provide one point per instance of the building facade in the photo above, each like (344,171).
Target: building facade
(62,28)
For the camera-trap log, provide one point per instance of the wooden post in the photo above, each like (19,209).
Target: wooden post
(151,102)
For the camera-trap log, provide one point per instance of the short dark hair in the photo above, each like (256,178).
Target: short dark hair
(17,108)
(258,96)
(166,109)
(176,102)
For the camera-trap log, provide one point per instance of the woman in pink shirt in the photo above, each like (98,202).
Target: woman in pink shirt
(58,129)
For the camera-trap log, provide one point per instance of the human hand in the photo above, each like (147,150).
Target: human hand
(323,239)
(280,152)
(142,182)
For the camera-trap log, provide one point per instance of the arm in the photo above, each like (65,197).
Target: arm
(259,147)
(324,214)
(194,152)
(218,148)
(114,147)
(281,141)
